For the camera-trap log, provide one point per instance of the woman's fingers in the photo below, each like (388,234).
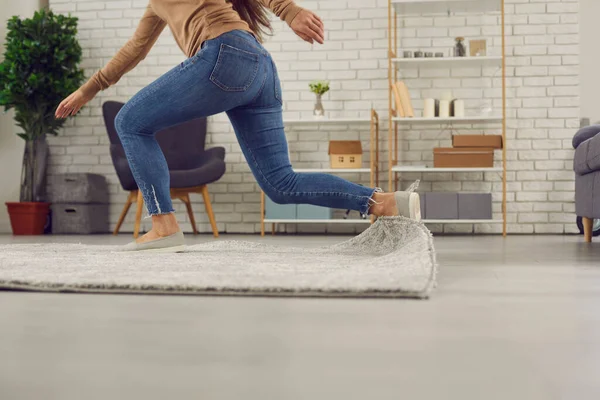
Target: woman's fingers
(309,27)
(64,107)
(59,109)
(317,32)
(318,21)
(313,34)
(60,112)
(306,38)
(65,111)
(69,106)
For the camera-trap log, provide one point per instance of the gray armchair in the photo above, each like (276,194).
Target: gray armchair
(587,182)
(191,166)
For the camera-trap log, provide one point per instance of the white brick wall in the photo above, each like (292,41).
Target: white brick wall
(543,103)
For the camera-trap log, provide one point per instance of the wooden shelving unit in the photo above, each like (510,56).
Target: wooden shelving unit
(418,7)
(448,120)
(449,61)
(373,169)
(400,8)
(409,168)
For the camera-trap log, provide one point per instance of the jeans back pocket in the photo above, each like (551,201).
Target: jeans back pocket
(235,69)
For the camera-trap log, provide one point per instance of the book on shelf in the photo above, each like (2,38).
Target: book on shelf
(405,100)
(399,108)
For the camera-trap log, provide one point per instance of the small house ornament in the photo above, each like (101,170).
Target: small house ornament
(345,153)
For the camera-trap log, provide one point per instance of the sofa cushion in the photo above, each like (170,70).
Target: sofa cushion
(587,156)
(584,134)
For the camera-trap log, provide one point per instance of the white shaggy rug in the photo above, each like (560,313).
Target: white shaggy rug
(392,258)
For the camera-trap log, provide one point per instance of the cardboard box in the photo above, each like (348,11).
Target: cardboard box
(478,48)
(487,141)
(441,205)
(468,157)
(475,206)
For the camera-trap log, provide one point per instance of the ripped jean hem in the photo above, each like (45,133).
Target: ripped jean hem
(150,214)
(370,202)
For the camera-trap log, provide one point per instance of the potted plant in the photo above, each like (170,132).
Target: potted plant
(40,68)
(319,88)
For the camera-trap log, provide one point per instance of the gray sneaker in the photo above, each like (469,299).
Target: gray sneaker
(168,244)
(409,205)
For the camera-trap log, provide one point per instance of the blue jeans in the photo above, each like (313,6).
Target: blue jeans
(232,73)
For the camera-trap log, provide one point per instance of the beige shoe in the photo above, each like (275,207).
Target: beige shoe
(169,244)
(408,204)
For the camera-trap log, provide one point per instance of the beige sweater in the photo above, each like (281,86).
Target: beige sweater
(191,21)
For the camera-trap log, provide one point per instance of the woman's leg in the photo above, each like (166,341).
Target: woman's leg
(186,92)
(262,139)
(260,132)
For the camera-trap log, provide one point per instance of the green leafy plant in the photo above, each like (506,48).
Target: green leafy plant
(40,68)
(319,87)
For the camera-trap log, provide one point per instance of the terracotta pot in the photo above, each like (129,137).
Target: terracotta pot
(28,218)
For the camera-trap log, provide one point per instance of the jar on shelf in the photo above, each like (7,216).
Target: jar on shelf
(459,49)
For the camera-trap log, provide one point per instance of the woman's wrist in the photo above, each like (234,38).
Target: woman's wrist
(90,89)
(292,14)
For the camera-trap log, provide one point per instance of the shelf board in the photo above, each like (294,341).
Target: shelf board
(332,170)
(401,168)
(455,120)
(368,221)
(463,221)
(318,221)
(411,7)
(325,121)
(448,61)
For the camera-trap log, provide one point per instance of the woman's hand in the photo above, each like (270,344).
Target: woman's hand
(72,104)
(309,27)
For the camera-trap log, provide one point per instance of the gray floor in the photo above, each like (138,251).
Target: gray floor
(515,318)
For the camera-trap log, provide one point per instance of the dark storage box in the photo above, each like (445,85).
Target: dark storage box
(78,188)
(441,205)
(468,157)
(486,141)
(423,208)
(79,218)
(474,206)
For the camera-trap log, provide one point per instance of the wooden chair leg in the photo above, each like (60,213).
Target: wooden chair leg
(209,211)
(588,227)
(188,204)
(130,199)
(138,214)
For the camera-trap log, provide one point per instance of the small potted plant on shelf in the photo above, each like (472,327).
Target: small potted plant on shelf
(40,68)
(319,88)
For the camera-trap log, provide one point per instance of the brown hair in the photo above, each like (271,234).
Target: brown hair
(253,12)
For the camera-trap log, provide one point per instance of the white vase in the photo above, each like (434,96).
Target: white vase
(319,111)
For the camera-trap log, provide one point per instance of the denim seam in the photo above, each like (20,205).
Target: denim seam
(278,94)
(134,170)
(262,87)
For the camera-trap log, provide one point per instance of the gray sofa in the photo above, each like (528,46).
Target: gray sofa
(587,182)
